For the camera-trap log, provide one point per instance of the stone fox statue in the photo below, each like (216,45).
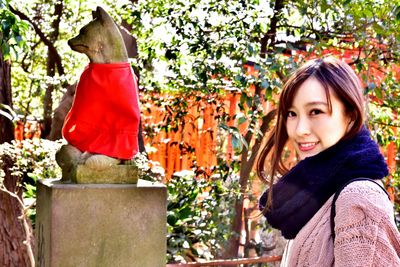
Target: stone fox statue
(102,126)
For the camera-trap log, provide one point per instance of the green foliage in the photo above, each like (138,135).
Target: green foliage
(29,76)
(382,112)
(32,160)
(199,215)
(12,32)
(383,122)
(207,46)
(197,43)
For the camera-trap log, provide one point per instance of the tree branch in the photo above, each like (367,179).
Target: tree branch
(42,37)
(271,34)
(24,65)
(58,8)
(264,128)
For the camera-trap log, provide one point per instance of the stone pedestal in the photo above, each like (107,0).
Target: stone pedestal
(101,225)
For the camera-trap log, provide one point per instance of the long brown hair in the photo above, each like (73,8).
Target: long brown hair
(334,75)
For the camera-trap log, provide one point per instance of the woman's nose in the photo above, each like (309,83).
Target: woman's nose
(303,126)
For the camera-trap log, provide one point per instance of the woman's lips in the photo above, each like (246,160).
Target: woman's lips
(307,146)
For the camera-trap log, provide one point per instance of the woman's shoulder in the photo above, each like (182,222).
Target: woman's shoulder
(361,189)
(365,226)
(361,199)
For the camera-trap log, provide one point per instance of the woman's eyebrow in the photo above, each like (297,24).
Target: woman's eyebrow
(315,103)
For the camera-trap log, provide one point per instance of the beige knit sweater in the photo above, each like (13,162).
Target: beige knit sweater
(366,234)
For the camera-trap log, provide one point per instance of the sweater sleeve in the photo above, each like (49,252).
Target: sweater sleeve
(366,234)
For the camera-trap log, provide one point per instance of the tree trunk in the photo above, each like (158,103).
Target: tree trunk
(13,252)
(53,62)
(6,126)
(234,241)
(246,167)
(48,96)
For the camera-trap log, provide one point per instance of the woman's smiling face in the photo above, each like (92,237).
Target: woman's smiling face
(311,126)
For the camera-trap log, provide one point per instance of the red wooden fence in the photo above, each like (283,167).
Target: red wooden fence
(235,262)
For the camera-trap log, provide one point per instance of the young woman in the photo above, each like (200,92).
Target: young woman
(321,113)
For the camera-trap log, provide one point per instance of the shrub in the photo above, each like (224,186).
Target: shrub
(31,160)
(199,216)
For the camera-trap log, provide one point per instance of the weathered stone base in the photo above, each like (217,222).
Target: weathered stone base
(115,174)
(101,224)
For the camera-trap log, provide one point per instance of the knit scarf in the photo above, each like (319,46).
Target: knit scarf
(301,192)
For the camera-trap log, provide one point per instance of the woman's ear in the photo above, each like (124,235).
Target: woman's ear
(350,126)
(351,119)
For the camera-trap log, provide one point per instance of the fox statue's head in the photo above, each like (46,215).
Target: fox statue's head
(100,40)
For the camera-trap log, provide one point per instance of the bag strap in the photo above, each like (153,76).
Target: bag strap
(335,197)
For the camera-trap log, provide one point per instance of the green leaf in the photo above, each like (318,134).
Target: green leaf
(224,127)
(184,213)
(243,98)
(397,12)
(264,27)
(250,49)
(242,120)
(172,219)
(218,54)
(378,28)
(237,144)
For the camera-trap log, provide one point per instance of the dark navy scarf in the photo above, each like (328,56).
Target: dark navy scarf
(301,192)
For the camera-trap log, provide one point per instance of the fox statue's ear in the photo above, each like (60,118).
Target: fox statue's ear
(102,15)
(94,14)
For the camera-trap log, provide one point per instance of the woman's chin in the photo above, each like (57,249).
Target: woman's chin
(302,155)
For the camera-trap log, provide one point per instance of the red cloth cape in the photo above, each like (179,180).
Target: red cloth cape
(104,118)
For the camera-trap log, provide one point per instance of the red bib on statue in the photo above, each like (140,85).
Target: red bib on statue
(104,118)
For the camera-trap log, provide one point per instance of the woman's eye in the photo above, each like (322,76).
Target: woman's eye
(291,114)
(316,112)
